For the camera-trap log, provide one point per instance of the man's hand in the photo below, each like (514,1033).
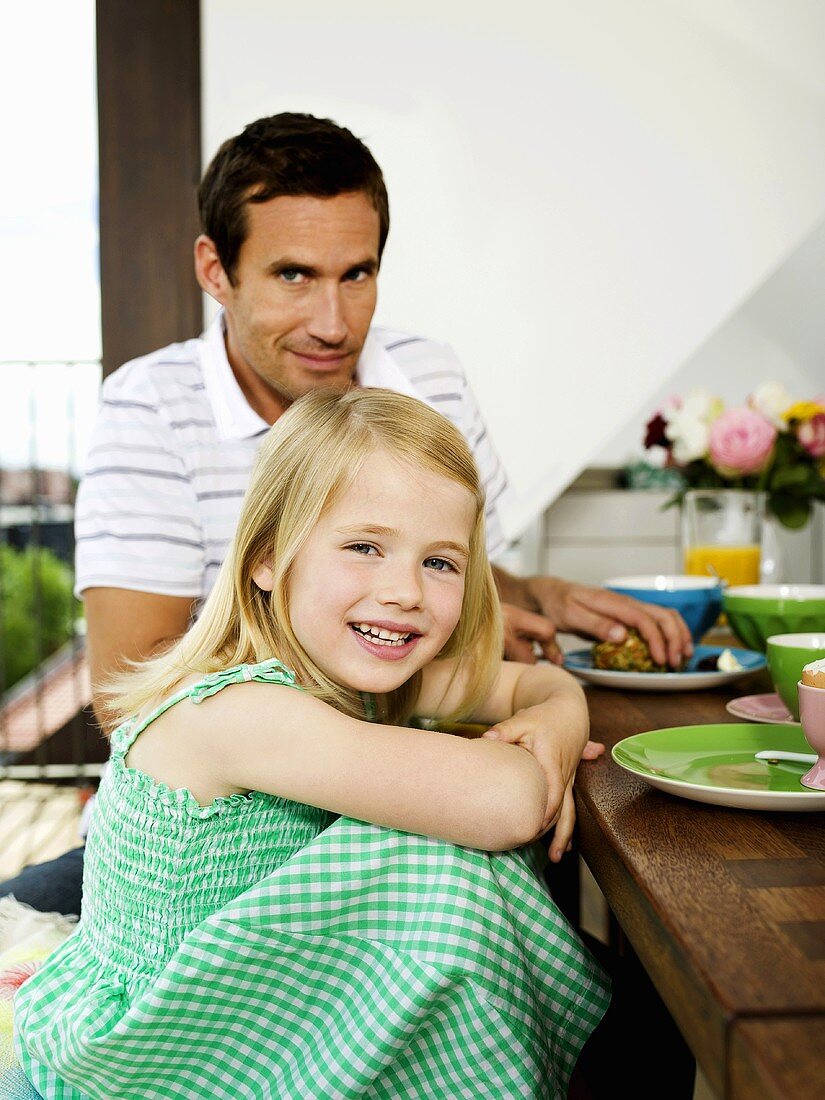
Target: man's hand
(599,613)
(528,636)
(536,607)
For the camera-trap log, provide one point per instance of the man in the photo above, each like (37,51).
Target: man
(295,216)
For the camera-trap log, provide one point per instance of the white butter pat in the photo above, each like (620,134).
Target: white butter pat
(726,662)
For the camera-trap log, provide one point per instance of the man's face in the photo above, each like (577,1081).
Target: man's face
(303,297)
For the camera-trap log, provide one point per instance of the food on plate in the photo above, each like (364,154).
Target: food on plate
(726,662)
(631,655)
(813,675)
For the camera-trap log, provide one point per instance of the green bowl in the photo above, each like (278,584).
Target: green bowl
(755,611)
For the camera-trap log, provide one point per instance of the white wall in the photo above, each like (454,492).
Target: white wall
(777,335)
(581,193)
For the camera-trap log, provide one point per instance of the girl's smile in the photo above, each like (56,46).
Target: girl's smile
(376,590)
(387,641)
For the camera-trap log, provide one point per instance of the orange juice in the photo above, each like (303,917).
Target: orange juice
(734,564)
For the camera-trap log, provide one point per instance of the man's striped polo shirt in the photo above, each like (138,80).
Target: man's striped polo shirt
(173,448)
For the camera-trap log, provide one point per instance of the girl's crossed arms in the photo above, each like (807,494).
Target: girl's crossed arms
(482,792)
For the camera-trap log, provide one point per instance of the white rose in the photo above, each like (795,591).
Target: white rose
(770,400)
(688,427)
(690,437)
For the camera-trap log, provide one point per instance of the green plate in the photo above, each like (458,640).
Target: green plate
(716,764)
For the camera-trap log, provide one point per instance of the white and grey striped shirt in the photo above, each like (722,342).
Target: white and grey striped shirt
(173,448)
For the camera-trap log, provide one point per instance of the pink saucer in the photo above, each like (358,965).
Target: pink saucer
(761,708)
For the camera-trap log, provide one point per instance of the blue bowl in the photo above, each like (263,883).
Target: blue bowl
(697,599)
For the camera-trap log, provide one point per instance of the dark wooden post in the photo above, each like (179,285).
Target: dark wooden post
(149,118)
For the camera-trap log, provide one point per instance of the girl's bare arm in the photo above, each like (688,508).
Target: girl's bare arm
(481,793)
(540,707)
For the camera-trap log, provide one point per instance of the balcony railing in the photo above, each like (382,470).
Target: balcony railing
(46,728)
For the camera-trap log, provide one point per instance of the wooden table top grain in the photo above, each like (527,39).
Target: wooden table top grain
(724,907)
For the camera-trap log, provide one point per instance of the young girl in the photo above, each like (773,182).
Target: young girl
(237,940)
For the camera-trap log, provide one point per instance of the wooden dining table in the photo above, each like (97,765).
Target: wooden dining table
(725,908)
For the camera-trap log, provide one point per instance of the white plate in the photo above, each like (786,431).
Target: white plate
(580,662)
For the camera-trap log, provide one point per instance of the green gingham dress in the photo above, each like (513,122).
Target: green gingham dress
(259,948)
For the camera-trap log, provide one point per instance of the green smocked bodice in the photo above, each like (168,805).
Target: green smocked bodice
(157,863)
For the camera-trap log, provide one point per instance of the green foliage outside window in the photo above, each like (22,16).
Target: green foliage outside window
(37,609)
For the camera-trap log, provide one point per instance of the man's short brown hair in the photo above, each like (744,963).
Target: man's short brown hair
(285,154)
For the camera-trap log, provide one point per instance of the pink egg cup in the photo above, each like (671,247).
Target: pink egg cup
(812,716)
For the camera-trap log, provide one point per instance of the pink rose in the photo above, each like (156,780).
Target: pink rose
(741,442)
(811,434)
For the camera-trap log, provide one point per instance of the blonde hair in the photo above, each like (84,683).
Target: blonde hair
(310,456)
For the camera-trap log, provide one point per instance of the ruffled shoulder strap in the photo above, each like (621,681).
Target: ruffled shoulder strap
(267,672)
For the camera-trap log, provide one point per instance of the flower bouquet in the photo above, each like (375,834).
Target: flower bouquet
(771,444)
